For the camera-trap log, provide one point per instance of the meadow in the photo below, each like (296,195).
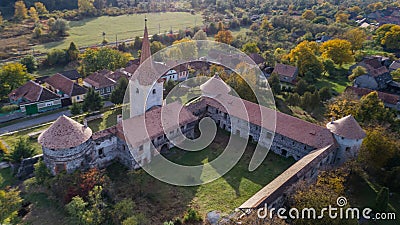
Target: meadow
(89,32)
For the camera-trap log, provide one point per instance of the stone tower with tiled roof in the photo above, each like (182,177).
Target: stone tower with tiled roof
(145,86)
(66,145)
(349,135)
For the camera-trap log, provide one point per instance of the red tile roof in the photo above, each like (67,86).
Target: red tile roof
(154,123)
(100,79)
(385,97)
(257,58)
(64,133)
(61,83)
(32,92)
(288,126)
(285,70)
(346,127)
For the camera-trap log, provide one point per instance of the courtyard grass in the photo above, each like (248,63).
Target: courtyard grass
(224,194)
(88,32)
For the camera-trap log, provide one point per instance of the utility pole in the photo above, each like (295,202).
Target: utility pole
(159,28)
(116,40)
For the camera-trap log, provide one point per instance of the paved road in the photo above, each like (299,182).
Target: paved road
(39,120)
(33,122)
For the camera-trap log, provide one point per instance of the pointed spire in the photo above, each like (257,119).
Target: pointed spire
(145,53)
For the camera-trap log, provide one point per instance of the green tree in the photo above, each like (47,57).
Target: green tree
(22,150)
(75,108)
(76,209)
(156,46)
(275,83)
(293,99)
(10,203)
(371,109)
(325,94)
(304,54)
(200,35)
(72,52)
(137,44)
(391,40)
(382,200)
(309,15)
(329,67)
(338,50)
(56,57)
(212,29)
(123,210)
(60,27)
(30,63)
(40,8)
(105,58)
(33,14)
(93,101)
(250,47)
(356,72)
(224,36)
(86,7)
(378,148)
(117,96)
(42,173)
(342,17)
(12,75)
(301,87)
(356,37)
(21,12)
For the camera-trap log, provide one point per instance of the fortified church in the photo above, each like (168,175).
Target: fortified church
(68,145)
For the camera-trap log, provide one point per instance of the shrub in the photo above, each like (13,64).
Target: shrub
(192,216)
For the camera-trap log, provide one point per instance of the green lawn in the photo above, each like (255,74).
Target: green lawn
(337,84)
(363,194)
(224,194)
(88,32)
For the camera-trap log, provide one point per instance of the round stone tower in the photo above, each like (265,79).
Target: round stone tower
(349,135)
(66,145)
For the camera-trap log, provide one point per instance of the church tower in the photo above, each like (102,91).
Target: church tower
(145,87)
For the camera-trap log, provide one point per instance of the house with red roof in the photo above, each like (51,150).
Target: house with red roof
(33,98)
(69,90)
(101,82)
(287,74)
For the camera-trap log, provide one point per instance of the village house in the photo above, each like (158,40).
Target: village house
(73,75)
(377,77)
(32,98)
(100,82)
(390,100)
(68,90)
(287,74)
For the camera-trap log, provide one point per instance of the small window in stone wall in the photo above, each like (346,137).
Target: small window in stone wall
(140,148)
(269,135)
(101,152)
(60,167)
(137,90)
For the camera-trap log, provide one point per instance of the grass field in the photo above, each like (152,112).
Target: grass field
(88,32)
